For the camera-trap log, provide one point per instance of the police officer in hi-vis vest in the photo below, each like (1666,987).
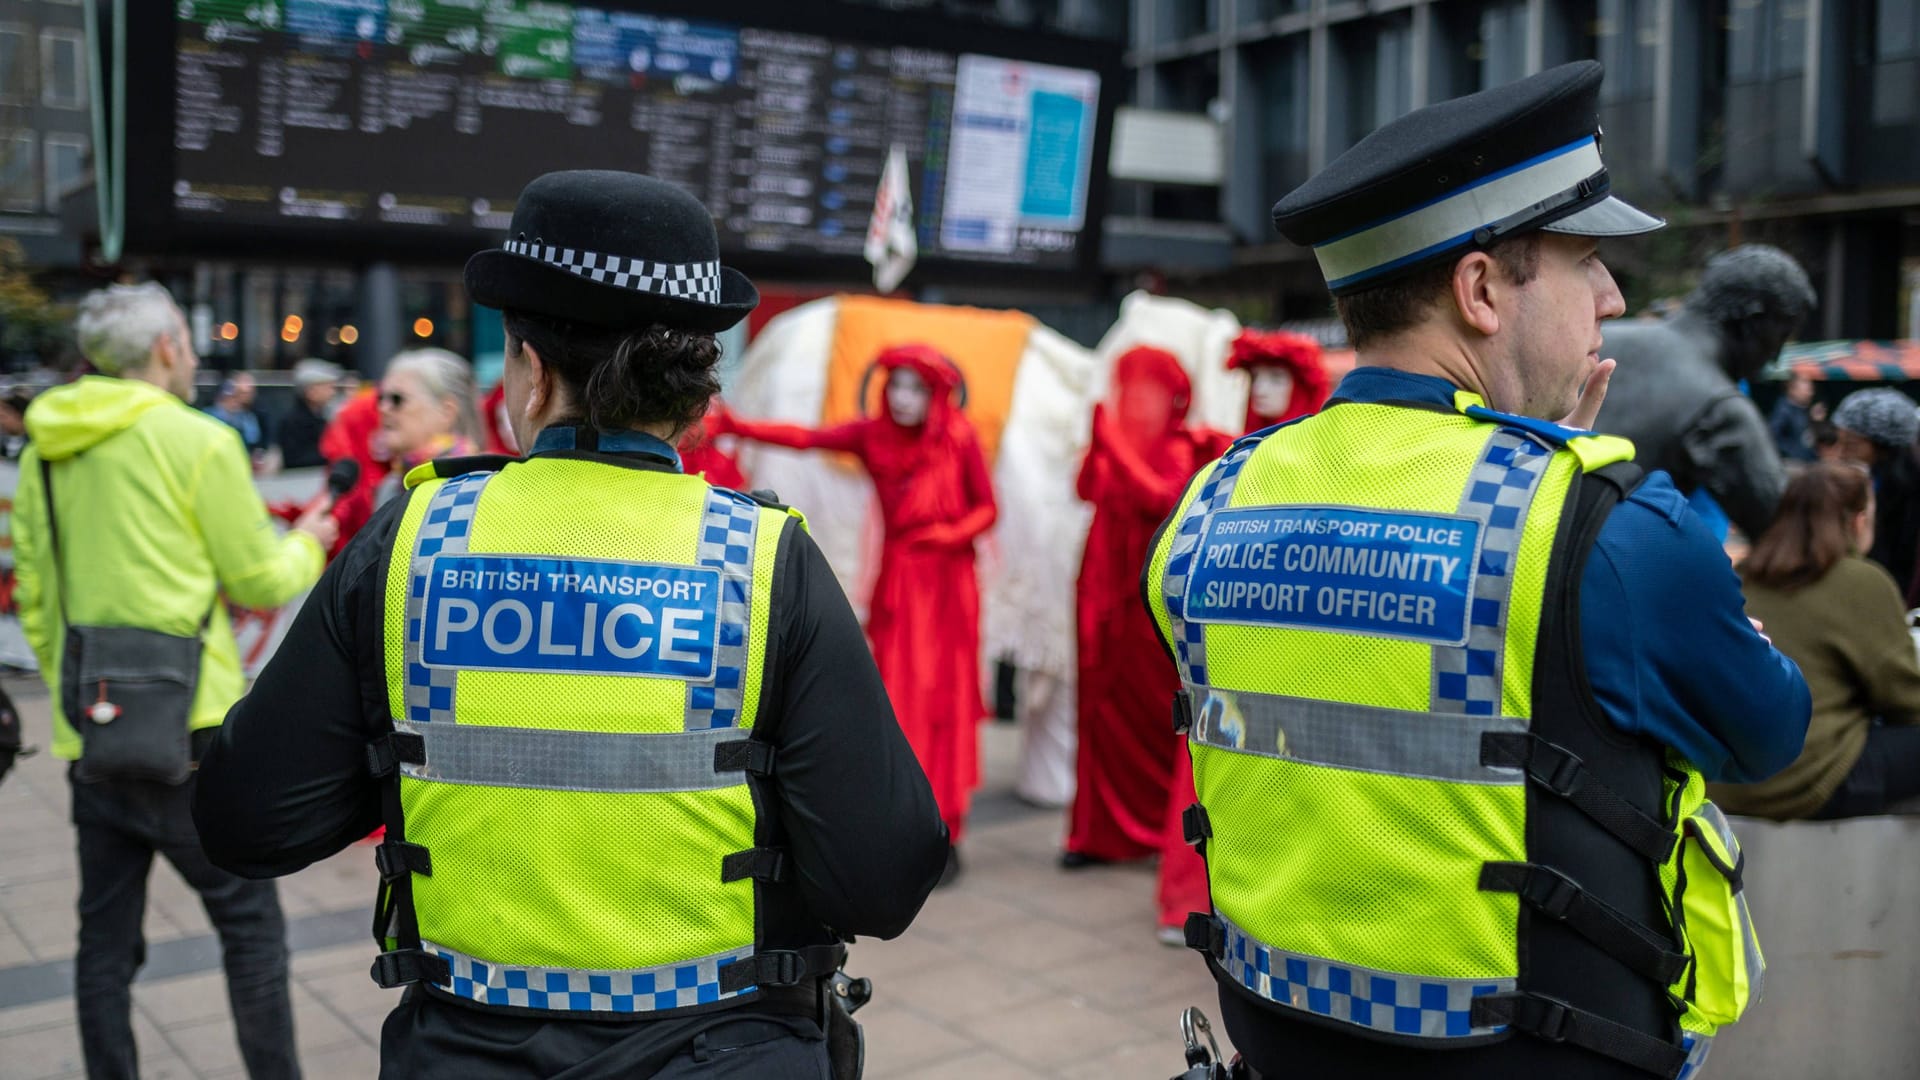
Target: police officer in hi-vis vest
(1452,671)
(638,773)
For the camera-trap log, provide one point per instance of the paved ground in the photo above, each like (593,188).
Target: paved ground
(1018,971)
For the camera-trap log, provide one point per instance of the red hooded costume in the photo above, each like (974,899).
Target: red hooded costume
(1299,355)
(1140,460)
(700,457)
(924,620)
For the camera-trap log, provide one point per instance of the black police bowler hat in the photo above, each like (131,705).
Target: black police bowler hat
(612,249)
(1460,175)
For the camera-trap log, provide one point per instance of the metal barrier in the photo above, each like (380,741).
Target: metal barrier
(1837,905)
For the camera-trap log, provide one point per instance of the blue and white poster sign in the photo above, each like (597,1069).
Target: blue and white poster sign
(1340,568)
(583,616)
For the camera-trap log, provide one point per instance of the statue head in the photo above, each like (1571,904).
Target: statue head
(1755,297)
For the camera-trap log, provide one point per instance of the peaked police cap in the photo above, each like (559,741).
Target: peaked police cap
(1459,176)
(612,249)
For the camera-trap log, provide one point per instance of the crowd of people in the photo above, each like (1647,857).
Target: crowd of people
(801,778)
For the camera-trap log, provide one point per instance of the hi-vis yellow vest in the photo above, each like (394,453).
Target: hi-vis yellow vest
(1418,825)
(570,825)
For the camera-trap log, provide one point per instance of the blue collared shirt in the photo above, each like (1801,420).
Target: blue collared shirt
(1663,626)
(568,437)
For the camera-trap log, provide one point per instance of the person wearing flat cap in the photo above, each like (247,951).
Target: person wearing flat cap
(1452,669)
(639,776)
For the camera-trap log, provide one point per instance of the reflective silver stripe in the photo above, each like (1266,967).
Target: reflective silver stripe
(443,531)
(1749,937)
(639,990)
(1431,746)
(571,760)
(1383,1001)
(1500,490)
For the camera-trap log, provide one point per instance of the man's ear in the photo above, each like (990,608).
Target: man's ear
(1476,286)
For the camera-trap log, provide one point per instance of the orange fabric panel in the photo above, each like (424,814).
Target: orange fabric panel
(985,345)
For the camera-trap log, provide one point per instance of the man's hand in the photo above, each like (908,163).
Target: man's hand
(319,524)
(1593,393)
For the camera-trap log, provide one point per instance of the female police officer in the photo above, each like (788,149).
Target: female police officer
(638,773)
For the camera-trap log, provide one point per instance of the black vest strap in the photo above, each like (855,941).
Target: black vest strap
(1195,826)
(402,966)
(749,755)
(782,967)
(1557,896)
(396,859)
(1555,1021)
(1206,934)
(388,752)
(1561,771)
(1182,712)
(759,863)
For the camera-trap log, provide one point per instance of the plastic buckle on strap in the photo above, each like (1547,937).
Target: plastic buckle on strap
(1552,892)
(388,752)
(396,859)
(1205,934)
(1195,826)
(1552,1020)
(1560,770)
(749,755)
(402,966)
(1182,713)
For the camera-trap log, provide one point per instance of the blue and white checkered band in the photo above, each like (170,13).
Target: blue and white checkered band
(1451,220)
(1499,492)
(728,535)
(1385,1001)
(643,990)
(687,281)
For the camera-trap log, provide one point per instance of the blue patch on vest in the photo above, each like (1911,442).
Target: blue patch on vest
(581,616)
(1384,573)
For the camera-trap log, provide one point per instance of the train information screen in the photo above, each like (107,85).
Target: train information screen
(366,117)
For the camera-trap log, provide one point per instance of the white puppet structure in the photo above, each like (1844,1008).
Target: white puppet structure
(1029,563)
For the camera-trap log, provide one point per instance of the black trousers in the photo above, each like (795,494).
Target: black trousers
(1888,771)
(429,1036)
(122,825)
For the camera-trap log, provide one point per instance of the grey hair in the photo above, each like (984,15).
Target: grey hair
(1750,280)
(118,325)
(445,375)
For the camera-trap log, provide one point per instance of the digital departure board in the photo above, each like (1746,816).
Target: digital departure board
(374,118)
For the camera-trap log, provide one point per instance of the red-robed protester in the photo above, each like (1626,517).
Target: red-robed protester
(1285,375)
(700,456)
(1141,457)
(935,500)
(1288,381)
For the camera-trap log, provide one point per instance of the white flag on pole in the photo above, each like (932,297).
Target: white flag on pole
(892,246)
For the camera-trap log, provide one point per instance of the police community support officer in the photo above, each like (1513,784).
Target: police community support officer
(1452,672)
(638,772)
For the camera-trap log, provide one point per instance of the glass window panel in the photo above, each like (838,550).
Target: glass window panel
(16,65)
(63,69)
(1897,29)
(1789,37)
(66,166)
(19,171)
(1746,40)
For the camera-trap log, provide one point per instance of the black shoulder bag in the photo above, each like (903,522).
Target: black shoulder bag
(127,691)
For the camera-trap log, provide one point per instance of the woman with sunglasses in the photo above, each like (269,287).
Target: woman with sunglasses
(425,408)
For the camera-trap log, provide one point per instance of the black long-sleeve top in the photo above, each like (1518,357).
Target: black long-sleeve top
(286,782)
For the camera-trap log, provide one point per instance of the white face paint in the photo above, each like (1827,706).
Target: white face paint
(1272,390)
(907,397)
